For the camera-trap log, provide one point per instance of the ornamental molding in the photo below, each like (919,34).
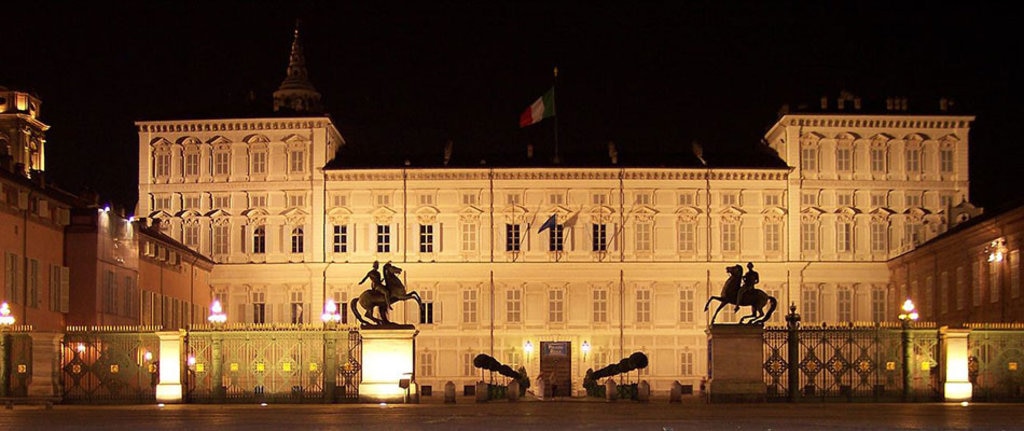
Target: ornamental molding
(774,215)
(811,215)
(185,126)
(383,215)
(339,216)
(188,213)
(256,138)
(189,140)
(219,140)
(601,214)
(731,214)
(847,214)
(161,214)
(470,215)
(591,174)
(427,215)
(515,214)
(644,214)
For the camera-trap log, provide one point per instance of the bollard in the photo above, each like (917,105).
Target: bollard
(541,387)
(643,391)
(449,392)
(675,395)
(482,394)
(513,390)
(610,390)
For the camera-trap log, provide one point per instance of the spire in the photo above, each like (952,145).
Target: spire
(296,93)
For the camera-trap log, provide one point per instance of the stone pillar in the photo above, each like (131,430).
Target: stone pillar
(611,390)
(388,357)
(330,364)
(169,390)
(513,390)
(482,393)
(736,363)
(449,392)
(955,354)
(643,391)
(45,365)
(675,395)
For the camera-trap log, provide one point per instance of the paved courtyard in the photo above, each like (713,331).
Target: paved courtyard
(569,414)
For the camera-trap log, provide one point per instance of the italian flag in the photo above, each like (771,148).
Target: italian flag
(543,108)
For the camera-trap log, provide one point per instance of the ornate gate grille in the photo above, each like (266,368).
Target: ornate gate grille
(862,362)
(996,362)
(16,353)
(110,364)
(257,363)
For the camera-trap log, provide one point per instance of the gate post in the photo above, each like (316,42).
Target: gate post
(3,362)
(793,353)
(217,371)
(169,390)
(954,355)
(330,371)
(736,365)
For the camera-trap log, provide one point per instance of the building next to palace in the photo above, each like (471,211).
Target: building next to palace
(69,262)
(562,266)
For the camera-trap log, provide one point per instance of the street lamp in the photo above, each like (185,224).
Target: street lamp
(996,250)
(528,348)
(585,348)
(6,319)
(908,315)
(331,314)
(217,315)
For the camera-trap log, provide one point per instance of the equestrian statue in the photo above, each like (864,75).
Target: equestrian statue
(739,290)
(385,289)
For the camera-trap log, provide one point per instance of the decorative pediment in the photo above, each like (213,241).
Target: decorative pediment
(915,139)
(188,214)
(949,140)
(515,214)
(255,212)
(218,213)
(161,214)
(561,210)
(688,214)
(881,215)
(847,137)
(917,213)
(426,215)
(339,216)
(189,140)
(846,214)
(160,142)
(811,214)
(470,215)
(256,138)
(601,214)
(644,213)
(811,138)
(881,139)
(294,212)
(218,140)
(294,138)
(383,215)
(774,215)
(731,214)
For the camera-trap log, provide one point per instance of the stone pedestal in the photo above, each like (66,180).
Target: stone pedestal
(388,357)
(45,365)
(169,390)
(736,361)
(957,386)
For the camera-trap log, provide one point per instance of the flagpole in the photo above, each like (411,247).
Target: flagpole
(554,83)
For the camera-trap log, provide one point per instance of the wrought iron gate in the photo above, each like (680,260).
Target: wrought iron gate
(16,354)
(257,363)
(110,364)
(996,362)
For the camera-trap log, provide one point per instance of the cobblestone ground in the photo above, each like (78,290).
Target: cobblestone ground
(568,414)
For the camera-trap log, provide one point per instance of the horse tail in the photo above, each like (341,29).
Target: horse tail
(771,309)
(355,311)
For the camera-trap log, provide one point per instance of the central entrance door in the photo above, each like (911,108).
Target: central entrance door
(556,367)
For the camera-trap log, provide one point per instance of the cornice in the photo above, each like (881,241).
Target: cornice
(590,174)
(231,125)
(881,121)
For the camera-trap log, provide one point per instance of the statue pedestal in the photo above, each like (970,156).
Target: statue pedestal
(736,361)
(388,355)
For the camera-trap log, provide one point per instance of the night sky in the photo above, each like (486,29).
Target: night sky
(408,77)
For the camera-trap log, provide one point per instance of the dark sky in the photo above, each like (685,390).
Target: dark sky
(408,76)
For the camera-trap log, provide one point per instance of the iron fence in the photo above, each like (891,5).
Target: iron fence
(995,362)
(110,364)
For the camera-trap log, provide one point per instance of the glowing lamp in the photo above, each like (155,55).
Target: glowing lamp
(909,311)
(331,314)
(217,315)
(585,348)
(6,319)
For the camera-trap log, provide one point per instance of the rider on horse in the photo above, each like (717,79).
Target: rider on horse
(376,283)
(750,279)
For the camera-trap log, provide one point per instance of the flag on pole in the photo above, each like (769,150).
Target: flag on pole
(550,223)
(542,108)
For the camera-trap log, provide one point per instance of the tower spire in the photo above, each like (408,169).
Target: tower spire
(296,92)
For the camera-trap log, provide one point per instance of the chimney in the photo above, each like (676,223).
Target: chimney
(612,153)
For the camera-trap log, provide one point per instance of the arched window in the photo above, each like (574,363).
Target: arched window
(297,240)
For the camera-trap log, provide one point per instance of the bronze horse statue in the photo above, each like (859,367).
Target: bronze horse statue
(371,299)
(756,299)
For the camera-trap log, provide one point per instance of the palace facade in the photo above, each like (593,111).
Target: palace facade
(635,246)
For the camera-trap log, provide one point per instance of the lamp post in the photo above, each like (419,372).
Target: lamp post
(585,348)
(908,316)
(6,321)
(331,316)
(528,348)
(217,316)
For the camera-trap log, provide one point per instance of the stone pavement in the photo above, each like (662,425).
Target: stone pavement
(531,414)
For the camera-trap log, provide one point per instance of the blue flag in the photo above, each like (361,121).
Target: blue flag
(550,223)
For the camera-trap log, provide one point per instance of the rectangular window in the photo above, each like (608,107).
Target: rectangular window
(469,199)
(878,200)
(845,200)
(427,308)
(33,283)
(259,163)
(469,306)
(844,159)
(556,306)
(192,165)
(809,199)
(220,163)
(643,199)
(341,238)
(222,202)
(845,306)
(844,237)
(599,236)
(944,292)
(878,160)
(513,199)
(773,237)
(599,199)
(383,200)
(426,199)
(961,288)
(426,364)
(259,240)
(220,239)
(809,159)
(643,306)
(686,304)
(297,161)
(259,308)
(686,364)
(772,200)
(808,237)
(913,161)
(468,231)
(426,238)
(878,312)
(809,309)
(976,280)
(913,200)
(340,200)
(297,312)
(556,199)
(879,238)
(946,160)
(191,202)
(994,282)
(514,306)
(511,237)
(687,237)
(643,237)
(190,235)
(297,201)
(686,199)
(257,201)
(600,297)
(730,199)
(383,238)
(298,240)
(109,293)
(163,165)
(730,237)
(467,364)
(555,238)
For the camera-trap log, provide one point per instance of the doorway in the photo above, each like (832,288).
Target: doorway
(556,367)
